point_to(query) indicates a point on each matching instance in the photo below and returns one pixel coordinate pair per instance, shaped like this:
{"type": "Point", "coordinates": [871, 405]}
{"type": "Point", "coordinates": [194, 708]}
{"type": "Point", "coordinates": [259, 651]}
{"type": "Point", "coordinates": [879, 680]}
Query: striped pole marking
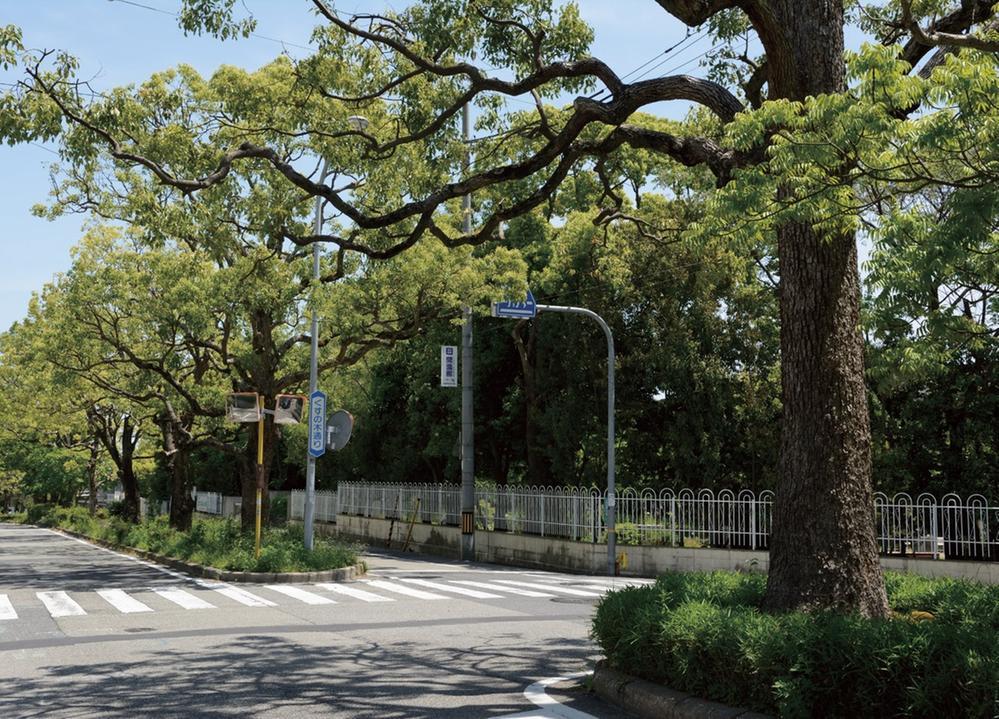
{"type": "Point", "coordinates": [6, 608]}
{"type": "Point", "coordinates": [551, 588]}
{"type": "Point", "coordinates": [354, 592]}
{"type": "Point", "coordinates": [401, 589]}
{"type": "Point", "coordinates": [182, 598]}
{"type": "Point", "coordinates": [60, 605]}
{"type": "Point", "coordinates": [499, 588]}
{"type": "Point", "coordinates": [125, 604]}
{"type": "Point", "coordinates": [448, 588]}
{"type": "Point", "coordinates": [299, 594]}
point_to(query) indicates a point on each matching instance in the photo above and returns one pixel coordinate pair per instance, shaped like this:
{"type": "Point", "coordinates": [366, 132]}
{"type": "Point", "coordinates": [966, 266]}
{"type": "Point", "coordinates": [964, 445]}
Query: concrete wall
{"type": "Point", "coordinates": [526, 550]}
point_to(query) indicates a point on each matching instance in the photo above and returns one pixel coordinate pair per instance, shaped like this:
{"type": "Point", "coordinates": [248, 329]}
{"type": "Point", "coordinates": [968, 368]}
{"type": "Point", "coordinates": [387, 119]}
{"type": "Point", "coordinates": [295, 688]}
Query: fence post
{"type": "Point", "coordinates": [672, 520]}
{"type": "Point", "coordinates": [934, 531]}
{"type": "Point", "coordinates": [752, 522]}
{"type": "Point", "coordinates": [593, 516]}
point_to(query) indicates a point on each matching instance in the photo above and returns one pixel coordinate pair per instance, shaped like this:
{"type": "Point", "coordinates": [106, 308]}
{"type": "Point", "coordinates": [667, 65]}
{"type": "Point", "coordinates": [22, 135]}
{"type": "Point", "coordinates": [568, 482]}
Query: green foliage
{"type": "Point", "coordinates": [688, 630]}
{"type": "Point", "coordinates": [219, 543]}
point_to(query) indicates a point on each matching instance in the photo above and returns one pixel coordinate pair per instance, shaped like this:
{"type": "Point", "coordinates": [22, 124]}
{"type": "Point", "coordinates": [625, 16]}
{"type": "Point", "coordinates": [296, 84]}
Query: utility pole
{"type": "Point", "coordinates": [310, 468]}
{"type": "Point", "coordinates": [467, 421]}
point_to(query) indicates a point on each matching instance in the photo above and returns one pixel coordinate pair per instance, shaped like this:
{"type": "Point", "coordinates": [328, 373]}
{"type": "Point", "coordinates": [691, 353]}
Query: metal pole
{"type": "Point", "coordinates": [260, 473]}
{"type": "Point", "coordinates": [467, 421]}
{"type": "Point", "coordinates": [611, 495]}
{"type": "Point", "coordinates": [309, 516]}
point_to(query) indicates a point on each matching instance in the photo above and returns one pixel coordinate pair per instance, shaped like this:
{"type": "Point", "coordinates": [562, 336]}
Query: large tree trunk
{"type": "Point", "coordinates": [250, 476]}
{"type": "Point", "coordinates": [95, 449]}
{"type": "Point", "coordinates": [126, 470]}
{"type": "Point", "coordinates": [181, 502]}
{"type": "Point", "coordinates": [823, 551]}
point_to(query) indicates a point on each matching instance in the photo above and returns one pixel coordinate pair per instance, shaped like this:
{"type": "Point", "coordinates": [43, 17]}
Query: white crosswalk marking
{"type": "Point", "coordinates": [300, 594]}
{"type": "Point", "coordinates": [448, 588]}
{"type": "Point", "coordinates": [401, 589]}
{"type": "Point", "coordinates": [60, 605]}
{"type": "Point", "coordinates": [182, 598]}
{"type": "Point", "coordinates": [550, 588]}
{"type": "Point", "coordinates": [121, 601]}
{"type": "Point", "coordinates": [500, 588]}
{"type": "Point", "coordinates": [6, 608]}
{"type": "Point", "coordinates": [242, 596]}
{"type": "Point", "coordinates": [354, 592]}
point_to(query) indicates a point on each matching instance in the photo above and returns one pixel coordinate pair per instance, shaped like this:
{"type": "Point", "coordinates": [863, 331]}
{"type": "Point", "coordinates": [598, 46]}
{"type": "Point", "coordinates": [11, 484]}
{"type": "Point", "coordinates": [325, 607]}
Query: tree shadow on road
{"type": "Point", "coordinates": [315, 675]}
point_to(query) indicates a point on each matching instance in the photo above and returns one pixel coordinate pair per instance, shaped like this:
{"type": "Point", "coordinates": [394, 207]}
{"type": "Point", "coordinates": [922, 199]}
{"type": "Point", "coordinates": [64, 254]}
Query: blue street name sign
{"type": "Point", "coordinates": [516, 310]}
{"type": "Point", "coordinates": [317, 423]}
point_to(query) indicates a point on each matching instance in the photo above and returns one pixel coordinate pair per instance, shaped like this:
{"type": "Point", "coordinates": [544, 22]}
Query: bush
{"type": "Point", "coordinates": [37, 511]}
{"type": "Point", "coordinates": [278, 514]}
{"type": "Point", "coordinates": [219, 543]}
{"type": "Point", "coordinates": [704, 634]}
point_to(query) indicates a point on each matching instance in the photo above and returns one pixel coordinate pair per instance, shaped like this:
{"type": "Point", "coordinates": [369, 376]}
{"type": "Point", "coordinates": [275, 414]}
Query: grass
{"type": "Point", "coordinates": [218, 543]}
{"type": "Point", "coordinates": [703, 633]}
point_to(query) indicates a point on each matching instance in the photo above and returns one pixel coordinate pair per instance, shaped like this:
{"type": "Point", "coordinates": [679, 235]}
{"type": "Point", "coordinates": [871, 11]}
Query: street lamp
{"type": "Point", "coordinates": [358, 123]}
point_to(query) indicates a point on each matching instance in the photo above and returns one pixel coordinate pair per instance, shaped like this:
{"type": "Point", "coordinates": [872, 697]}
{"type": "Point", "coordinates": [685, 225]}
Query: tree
{"type": "Point", "coordinates": [777, 163]}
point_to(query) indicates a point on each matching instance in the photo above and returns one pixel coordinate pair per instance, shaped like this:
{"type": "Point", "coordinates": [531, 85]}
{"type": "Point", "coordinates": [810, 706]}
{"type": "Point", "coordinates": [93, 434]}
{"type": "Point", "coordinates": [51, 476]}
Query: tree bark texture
{"type": "Point", "coordinates": [248, 475]}
{"type": "Point", "coordinates": [126, 469]}
{"type": "Point", "coordinates": [181, 502]}
{"type": "Point", "coordinates": [823, 552]}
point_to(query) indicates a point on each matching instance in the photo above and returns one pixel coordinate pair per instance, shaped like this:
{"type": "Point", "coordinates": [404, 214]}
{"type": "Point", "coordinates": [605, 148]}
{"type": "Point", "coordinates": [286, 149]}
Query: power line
{"type": "Point", "coordinates": [133, 3]}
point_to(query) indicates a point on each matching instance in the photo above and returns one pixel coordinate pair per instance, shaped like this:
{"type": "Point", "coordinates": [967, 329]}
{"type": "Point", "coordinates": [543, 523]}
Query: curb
{"type": "Point", "coordinates": [655, 701]}
{"type": "Point", "coordinates": [343, 574]}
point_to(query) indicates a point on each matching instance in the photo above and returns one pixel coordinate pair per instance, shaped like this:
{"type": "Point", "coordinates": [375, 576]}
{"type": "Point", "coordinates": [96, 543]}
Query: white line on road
{"type": "Point", "coordinates": [449, 588]}
{"type": "Point", "coordinates": [239, 595]}
{"type": "Point", "coordinates": [6, 608]}
{"type": "Point", "coordinates": [550, 588]}
{"type": "Point", "coordinates": [537, 696]}
{"type": "Point", "coordinates": [354, 592]}
{"type": "Point", "coordinates": [500, 588]}
{"type": "Point", "coordinates": [300, 594]}
{"type": "Point", "coordinates": [121, 601]}
{"type": "Point", "coordinates": [182, 598]}
{"type": "Point", "coordinates": [60, 605]}
{"type": "Point", "coordinates": [400, 589]}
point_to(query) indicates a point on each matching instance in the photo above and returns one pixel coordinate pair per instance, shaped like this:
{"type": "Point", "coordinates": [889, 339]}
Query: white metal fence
{"type": "Point", "coordinates": [951, 528]}
{"type": "Point", "coordinates": [208, 502]}
{"type": "Point", "coordinates": [326, 506]}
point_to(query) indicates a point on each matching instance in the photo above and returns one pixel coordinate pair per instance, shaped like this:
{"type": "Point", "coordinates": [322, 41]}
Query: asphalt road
{"type": "Point", "coordinates": [85, 632]}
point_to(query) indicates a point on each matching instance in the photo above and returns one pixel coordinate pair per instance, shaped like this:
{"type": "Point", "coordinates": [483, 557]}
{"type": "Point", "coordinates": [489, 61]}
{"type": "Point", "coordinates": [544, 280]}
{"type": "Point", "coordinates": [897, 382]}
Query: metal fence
{"type": "Point", "coordinates": [326, 506]}
{"type": "Point", "coordinates": [208, 502]}
{"type": "Point", "coordinates": [950, 528]}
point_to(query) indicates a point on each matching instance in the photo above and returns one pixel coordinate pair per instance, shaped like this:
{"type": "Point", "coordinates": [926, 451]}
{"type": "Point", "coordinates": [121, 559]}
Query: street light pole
{"type": "Point", "coordinates": [467, 421]}
{"type": "Point", "coordinates": [310, 469]}
{"type": "Point", "coordinates": [611, 489]}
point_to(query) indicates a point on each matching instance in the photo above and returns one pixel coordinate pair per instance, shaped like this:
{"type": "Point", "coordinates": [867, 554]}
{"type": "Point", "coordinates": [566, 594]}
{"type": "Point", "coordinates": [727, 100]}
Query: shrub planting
{"type": "Point", "coordinates": [219, 543]}
{"type": "Point", "coordinates": [938, 656]}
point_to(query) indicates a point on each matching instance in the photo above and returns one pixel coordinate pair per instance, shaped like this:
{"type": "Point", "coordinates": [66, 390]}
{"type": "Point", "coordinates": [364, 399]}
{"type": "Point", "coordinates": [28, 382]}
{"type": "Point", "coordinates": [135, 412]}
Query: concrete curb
{"type": "Point", "coordinates": [343, 574]}
{"type": "Point", "coordinates": [654, 701]}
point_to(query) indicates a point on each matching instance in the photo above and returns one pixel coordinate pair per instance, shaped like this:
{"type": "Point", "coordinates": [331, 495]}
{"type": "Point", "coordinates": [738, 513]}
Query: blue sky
{"type": "Point", "coordinates": [118, 42]}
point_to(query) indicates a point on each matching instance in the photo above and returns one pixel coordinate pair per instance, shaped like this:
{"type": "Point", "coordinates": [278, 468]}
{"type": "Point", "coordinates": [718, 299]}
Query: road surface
{"type": "Point", "coordinates": [85, 632]}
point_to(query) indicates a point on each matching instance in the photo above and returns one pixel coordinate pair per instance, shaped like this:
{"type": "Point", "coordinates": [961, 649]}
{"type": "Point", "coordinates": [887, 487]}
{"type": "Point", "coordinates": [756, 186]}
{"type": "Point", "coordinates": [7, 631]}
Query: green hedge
{"type": "Point", "coordinates": [219, 543]}
{"type": "Point", "coordinates": [703, 633]}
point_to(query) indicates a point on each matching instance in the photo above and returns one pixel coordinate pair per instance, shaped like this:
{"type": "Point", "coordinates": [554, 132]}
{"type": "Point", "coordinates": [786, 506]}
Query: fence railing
{"type": "Point", "coordinates": [951, 528]}
{"type": "Point", "coordinates": [208, 502]}
{"type": "Point", "coordinates": [326, 505]}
